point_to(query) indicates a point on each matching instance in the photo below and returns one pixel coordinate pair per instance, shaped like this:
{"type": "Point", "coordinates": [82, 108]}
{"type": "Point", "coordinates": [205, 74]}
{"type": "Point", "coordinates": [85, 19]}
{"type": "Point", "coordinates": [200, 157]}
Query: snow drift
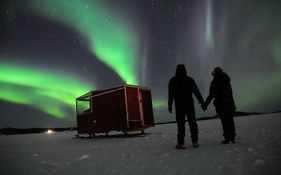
{"type": "Point", "coordinates": [257, 151]}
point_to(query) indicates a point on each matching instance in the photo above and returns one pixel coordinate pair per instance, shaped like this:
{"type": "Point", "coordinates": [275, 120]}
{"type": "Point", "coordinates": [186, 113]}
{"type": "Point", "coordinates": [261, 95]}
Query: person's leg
{"type": "Point", "coordinates": [181, 128]}
{"type": "Point", "coordinates": [193, 126]}
{"type": "Point", "coordinates": [228, 127]}
{"type": "Point", "coordinates": [224, 122]}
{"type": "Point", "coordinates": [224, 126]}
{"type": "Point", "coordinates": [231, 127]}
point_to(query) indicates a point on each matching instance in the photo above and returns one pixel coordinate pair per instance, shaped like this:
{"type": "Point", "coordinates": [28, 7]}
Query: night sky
{"type": "Point", "coordinates": [52, 51]}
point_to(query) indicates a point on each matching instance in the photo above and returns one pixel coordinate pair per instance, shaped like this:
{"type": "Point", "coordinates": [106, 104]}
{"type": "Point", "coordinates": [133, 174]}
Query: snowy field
{"type": "Point", "coordinates": [258, 151]}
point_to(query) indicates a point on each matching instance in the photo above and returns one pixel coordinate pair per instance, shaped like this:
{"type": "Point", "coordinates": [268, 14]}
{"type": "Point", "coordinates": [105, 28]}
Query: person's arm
{"type": "Point", "coordinates": [197, 93]}
{"type": "Point", "coordinates": [171, 95]}
{"type": "Point", "coordinates": [211, 94]}
{"type": "Point", "coordinates": [232, 100]}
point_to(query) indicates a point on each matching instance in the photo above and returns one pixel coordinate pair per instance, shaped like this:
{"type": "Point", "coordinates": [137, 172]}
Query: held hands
{"type": "Point", "coordinates": [170, 109]}
{"type": "Point", "coordinates": [204, 106]}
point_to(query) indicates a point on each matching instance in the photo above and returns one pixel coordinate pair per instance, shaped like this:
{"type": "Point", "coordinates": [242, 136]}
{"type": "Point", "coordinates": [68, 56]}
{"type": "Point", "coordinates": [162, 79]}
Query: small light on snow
{"type": "Point", "coordinates": [259, 162]}
{"type": "Point", "coordinates": [49, 131]}
{"type": "Point", "coordinates": [85, 156]}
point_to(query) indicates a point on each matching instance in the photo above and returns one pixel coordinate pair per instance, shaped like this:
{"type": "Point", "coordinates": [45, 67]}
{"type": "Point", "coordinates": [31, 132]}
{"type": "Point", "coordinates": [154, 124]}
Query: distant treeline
{"type": "Point", "coordinates": [237, 113]}
{"type": "Point", "coordinates": [13, 131]}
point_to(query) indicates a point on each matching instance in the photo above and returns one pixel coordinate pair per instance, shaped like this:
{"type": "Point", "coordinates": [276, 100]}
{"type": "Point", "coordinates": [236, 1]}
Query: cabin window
{"type": "Point", "coordinates": [83, 106]}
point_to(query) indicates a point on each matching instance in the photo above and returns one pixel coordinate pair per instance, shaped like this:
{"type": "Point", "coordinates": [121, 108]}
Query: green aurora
{"type": "Point", "coordinates": [159, 104]}
{"type": "Point", "coordinates": [110, 39]}
{"type": "Point", "coordinates": [209, 32]}
{"type": "Point", "coordinates": [49, 92]}
{"type": "Point", "coordinates": [257, 95]}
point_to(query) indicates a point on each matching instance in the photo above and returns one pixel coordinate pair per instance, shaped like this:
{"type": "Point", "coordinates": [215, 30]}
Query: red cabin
{"type": "Point", "coordinates": [125, 108]}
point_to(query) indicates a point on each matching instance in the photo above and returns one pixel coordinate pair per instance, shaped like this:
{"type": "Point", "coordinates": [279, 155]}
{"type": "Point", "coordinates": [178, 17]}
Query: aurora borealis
{"type": "Point", "coordinates": [110, 40]}
{"type": "Point", "coordinates": [47, 91]}
{"type": "Point", "coordinates": [209, 30]}
{"type": "Point", "coordinates": [56, 50]}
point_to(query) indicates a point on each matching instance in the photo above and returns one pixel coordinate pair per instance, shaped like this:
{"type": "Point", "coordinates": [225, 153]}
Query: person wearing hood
{"type": "Point", "coordinates": [181, 87]}
{"type": "Point", "coordinates": [221, 92]}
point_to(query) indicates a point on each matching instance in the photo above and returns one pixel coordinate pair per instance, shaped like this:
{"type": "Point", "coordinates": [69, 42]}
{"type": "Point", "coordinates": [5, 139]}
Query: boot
{"type": "Point", "coordinates": [227, 141]}
{"type": "Point", "coordinates": [195, 145]}
{"type": "Point", "coordinates": [180, 146]}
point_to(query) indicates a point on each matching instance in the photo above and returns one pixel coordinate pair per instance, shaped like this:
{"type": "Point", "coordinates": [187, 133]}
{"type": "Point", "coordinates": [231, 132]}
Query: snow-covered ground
{"type": "Point", "coordinates": [258, 151]}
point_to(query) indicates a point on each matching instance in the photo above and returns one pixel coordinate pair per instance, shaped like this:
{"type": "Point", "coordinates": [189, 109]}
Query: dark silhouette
{"type": "Point", "coordinates": [181, 88]}
{"type": "Point", "coordinates": [221, 92]}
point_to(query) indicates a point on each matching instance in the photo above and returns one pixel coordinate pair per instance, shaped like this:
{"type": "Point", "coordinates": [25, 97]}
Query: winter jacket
{"type": "Point", "coordinates": [221, 92]}
{"type": "Point", "coordinates": [181, 89]}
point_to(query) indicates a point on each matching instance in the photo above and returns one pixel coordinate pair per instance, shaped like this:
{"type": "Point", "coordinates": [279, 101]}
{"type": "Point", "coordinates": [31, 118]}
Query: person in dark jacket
{"type": "Point", "coordinates": [181, 88]}
{"type": "Point", "coordinates": [221, 92]}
